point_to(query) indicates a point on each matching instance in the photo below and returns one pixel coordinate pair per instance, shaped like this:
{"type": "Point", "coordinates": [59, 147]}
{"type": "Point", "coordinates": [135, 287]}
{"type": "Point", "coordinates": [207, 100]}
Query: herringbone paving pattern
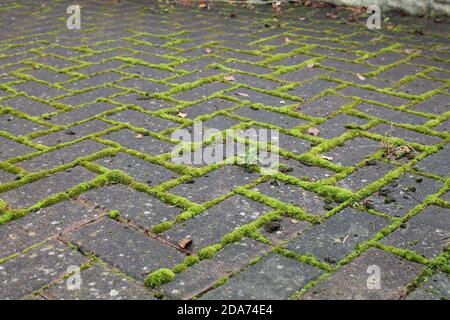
{"type": "Point", "coordinates": [87, 177]}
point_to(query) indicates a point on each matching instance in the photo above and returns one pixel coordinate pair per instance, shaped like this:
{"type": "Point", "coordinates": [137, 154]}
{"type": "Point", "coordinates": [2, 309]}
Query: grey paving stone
{"type": "Point", "coordinates": [289, 228]}
{"type": "Point", "coordinates": [303, 74]}
{"type": "Point", "coordinates": [93, 81]}
{"type": "Point", "coordinates": [142, 120]}
{"type": "Point", "coordinates": [143, 101]}
{"type": "Point", "coordinates": [293, 144]}
{"type": "Point", "coordinates": [353, 151]}
{"type": "Point", "coordinates": [336, 237]}
{"type": "Point", "coordinates": [259, 97]}
{"type": "Point", "coordinates": [147, 144]}
{"type": "Point", "coordinates": [36, 268]}
{"type": "Point", "coordinates": [339, 125]}
{"type": "Point", "coordinates": [438, 104]}
{"type": "Point", "coordinates": [143, 85]}
{"type": "Point", "coordinates": [405, 134]}
{"type": "Point", "coordinates": [142, 209]}
{"type": "Point", "coordinates": [88, 96]}
{"type": "Point", "coordinates": [248, 68]}
{"type": "Point", "coordinates": [79, 114]}
{"type": "Point", "coordinates": [215, 183]}
{"type": "Point", "coordinates": [6, 177]}
{"type": "Point", "coordinates": [426, 233]}
{"type": "Point", "coordinates": [436, 163]}
{"type": "Point", "coordinates": [399, 72]}
{"type": "Point", "coordinates": [443, 127]}
{"type": "Point", "coordinates": [347, 66]}
{"type": "Point", "coordinates": [40, 225]}
{"type": "Point", "coordinates": [419, 86]}
{"type": "Point", "coordinates": [311, 89]}
{"type": "Point", "coordinates": [147, 72]}
{"type": "Point", "coordinates": [290, 194]}
{"type": "Point", "coordinates": [292, 60]}
{"type": "Point", "coordinates": [11, 149]}
{"type": "Point", "coordinates": [207, 107]}
{"type": "Point", "coordinates": [387, 58]}
{"type": "Point", "coordinates": [99, 283]}
{"type": "Point", "coordinates": [126, 249]}
{"type": "Point", "coordinates": [350, 281]}
{"type": "Point", "coordinates": [274, 277]}
{"type": "Point", "coordinates": [256, 82]}
{"type": "Point", "coordinates": [371, 172]}
{"type": "Point", "coordinates": [261, 115]}
{"type": "Point", "coordinates": [391, 115]}
{"type": "Point", "coordinates": [18, 126]}
{"type": "Point", "coordinates": [201, 92]}
{"type": "Point", "coordinates": [205, 274]}
{"type": "Point", "coordinates": [435, 288]}
{"type": "Point", "coordinates": [210, 226]}
{"type": "Point", "coordinates": [403, 194]}
{"type": "Point", "coordinates": [304, 171]}
{"type": "Point", "coordinates": [374, 95]}
{"type": "Point", "coordinates": [323, 106]}
{"type": "Point", "coordinates": [36, 89]}
{"type": "Point", "coordinates": [62, 156]}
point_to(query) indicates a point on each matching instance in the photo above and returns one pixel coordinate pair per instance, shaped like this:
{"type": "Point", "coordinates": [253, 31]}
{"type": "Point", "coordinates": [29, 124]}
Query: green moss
{"type": "Point", "coordinates": [114, 214]}
{"type": "Point", "coordinates": [209, 252]}
{"type": "Point", "coordinates": [159, 277]}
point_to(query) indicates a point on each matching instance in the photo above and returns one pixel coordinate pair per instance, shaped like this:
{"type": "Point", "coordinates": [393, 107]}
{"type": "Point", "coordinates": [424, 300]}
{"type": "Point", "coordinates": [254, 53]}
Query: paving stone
{"type": "Point", "coordinates": [405, 134]}
{"type": "Point", "coordinates": [366, 175]}
{"type": "Point", "coordinates": [11, 149]}
{"type": "Point", "coordinates": [142, 120]}
{"type": "Point", "coordinates": [338, 125]}
{"type": "Point", "coordinates": [267, 116]}
{"type": "Point", "coordinates": [255, 82]}
{"type": "Point", "coordinates": [425, 233]}
{"type": "Point", "coordinates": [323, 106]}
{"type": "Point", "coordinates": [259, 97]}
{"type": "Point", "coordinates": [350, 281]}
{"type": "Point", "coordinates": [443, 127]}
{"type": "Point", "coordinates": [346, 66]}
{"type": "Point", "coordinates": [200, 64]}
{"type": "Point", "coordinates": [289, 228]}
{"type": "Point", "coordinates": [89, 96]}
{"type": "Point", "coordinates": [147, 144]}
{"type": "Point", "coordinates": [437, 104]}
{"type": "Point", "coordinates": [436, 163]}
{"type": "Point", "coordinates": [142, 101]}
{"type": "Point", "coordinates": [435, 288]}
{"type": "Point", "coordinates": [419, 86]}
{"type": "Point", "coordinates": [48, 75]}
{"type": "Point", "coordinates": [62, 156]}
{"type": "Point", "coordinates": [6, 177]}
{"type": "Point", "coordinates": [207, 107]}
{"type": "Point", "coordinates": [399, 72]}
{"type": "Point", "coordinates": [301, 170]}
{"type": "Point", "coordinates": [28, 194]}
{"type": "Point", "coordinates": [40, 225]}
{"type": "Point", "coordinates": [248, 68]}
{"type": "Point", "coordinates": [201, 92]}
{"type": "Point", "coordinates": [36, 89]}
{"type": "Point", "coordinates": [197, 75]}
{"type": "Point", "coordinates": [275, 277]}
{"type": "Point", "coordinates": [147, 72]}
{"type": "Point", "coordinates": [374, 96]}
{"type": "Point", "coordinates": [99, 283]}
{"type": "Point", "coordinates": [390, 114]}
{"type": "Point", "coordinates": [353, 151]}
{"type": "Point", "coordinates": [292, 60]}
{"type": "Point", "coordinates": [93, 81]}
{"type": "Point", "coordinates": [290, 194]}
{"type": "Point", "coordinates": [210, 226]}
{"type": "Point", "coordinates": [337, 237]}
{"type": "Point", "coordinates": [403, 194]}
{"type": "Point", "coordinates": [79, 114]}
{"type": "Point", "coordinates": [205, 274]}
{"type": "Point", "coordinates": [124, 248]}
{"type": "Point", "coordinates": [387, 58]}
{"type": "Point", "coordinates": [311, 89]}
{"type": "Point", "coordinates": [18, 126]}
{"type": "Point", "coordinates": [303, 74]}
{"type": "Point", "coordinates": [143, 85]}
{"type": "Point", "coordinates": [215, 183]}
{"type": "Point", "coordinates": [142, 209]}
{"type": "Point", "coordinates": [293, 144]}
{"type": "Point", "coordinates": [36, 268]}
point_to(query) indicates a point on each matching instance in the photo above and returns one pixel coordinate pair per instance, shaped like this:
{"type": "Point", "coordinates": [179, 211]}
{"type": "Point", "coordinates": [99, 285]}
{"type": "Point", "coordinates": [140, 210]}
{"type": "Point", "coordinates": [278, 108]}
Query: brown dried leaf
{"type": "Point", "coordinates": [139, 136]}
{"type": "Point", "coordinates": [294, 221]}
{"type": "Point", "coordinates": [326, 157]}
{"type": "Point", "coordinates": [360, 77]}
{"type": "Point", "coordinates": [311, 65]}
{"type": "Point", "coordinates": [287, 40]}
{"type": "Point", "coordinates": [313, 131]}
{"type": "Point", "coordinates": [182, 114]}
{"type": "Point", "coordinates": [184, 243]}
{"type": "Point", "coordinates": [208, 50]}
{"type": "Point", "coordinates": [241, 94]}
{"type": "Point", "coordinates": [229, 78]}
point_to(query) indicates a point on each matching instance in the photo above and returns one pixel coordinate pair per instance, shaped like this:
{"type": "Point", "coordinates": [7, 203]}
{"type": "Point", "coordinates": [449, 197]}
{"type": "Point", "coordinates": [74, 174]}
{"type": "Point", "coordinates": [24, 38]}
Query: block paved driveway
{"type": "Point", "coordinates": [358, 210]}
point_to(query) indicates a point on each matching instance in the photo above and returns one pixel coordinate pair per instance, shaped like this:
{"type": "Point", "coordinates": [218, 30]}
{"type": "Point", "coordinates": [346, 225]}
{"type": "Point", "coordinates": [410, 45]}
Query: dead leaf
{"type": "Point", "coordinates": [241, 94]}
{"type": "Point", "coordinates": [313, 131]}
{"type": "Point", "coordinates": [287, 40]}
{"type": "Point", "coordinates": [326, 157]}
{"type": "Point", "coordinates": [302, 18]}
{"type": "Point", "coordinates": [294, 221]}
{"type": "Point", "coordinates": [139, 136]}
{"type": "Point", "coordinates": [203, 4]}
{"type": "Point", "coordinates": [311, 65]}
{"type": "Point", "coordinates": [208, 50]}
{"type": "Point", "coordinates": [360, 77]}
{"type": "Point", "coordinates": [182, 114]}
{"type": "Point", "coordinates": [184, 243]}
{"type": "Point", "coordinates": [229, 78]}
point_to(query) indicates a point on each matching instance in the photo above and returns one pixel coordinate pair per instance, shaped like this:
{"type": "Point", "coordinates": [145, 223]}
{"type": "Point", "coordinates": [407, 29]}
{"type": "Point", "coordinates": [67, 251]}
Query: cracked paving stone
{"type": "Point", "coordinates": [435, 288]}
{"type": "Point", "coordinates": [427, 233]}
{"type": "Point", "coordinates": [61, 156]}
{"type": "Point", "coordinates": [201, 92]}
{"type": "Point", "coordinates": [351, 280]}
{"type": "Point", "coordinates": [205, 274]}
{"type": "Point", "coordinates": [18, 126]}
{"type": "Point", "coordinates": [310, 89]}
{"type": "Point", "coordinates": [402, 194]}
{"type": "Point", "coordinates": [142, 120]}
{"type": "Point", "coordinates": [73, 133]}
{"type": "Point", "coordinates": [124, 248]}
{"type": "Point", "coordinates": [207, 107]}
{"type": "Point", "coordinates": [437, 163]}
{"type": "Point", "coordinates": [38, 267]}
{"type": "Point", "coordinates": [259, 97]}
{"type": "Point", "coordinates": [405, 134]}
{"type": "Point", "coordinates": [371, 172]}
{"type": "Point", "coordinates": [274, 277]}
{"type": "Point", "coordinates": [11, 149]}
{"type": "Point", "coordinates": [210, 226]}
{"type": "Point", "coordinates": [99, 283]}
{"type": "Point", "coordinates": [323, 106]}
{"type": "Point", "coordinates": [290, 194]}
{"type": "Point", "coordinates": [215, 183]}
{"type": "Point", "coordinates": [374, 96]}
{"type": "Point", "coordinates": [337, 237]}
{"type": "Point", "coordinates": [28, 194]}
{"type": "Point", "coordinates": [353, 151]}
{"type": "Point", "coordinates": [147, 144]}
{"type": "Point", "coordinates": [262, 115]}
{"type": "Point", "coordinates": [140, 169]}
{"type": "Point", "coordinates": [338, 125]}
{"type": "Point", "coordinates": [438, 104]}
{"type": "Point", "coordinates": [40, 225]}
{"type": "Point", "coordinates": [141, 208]}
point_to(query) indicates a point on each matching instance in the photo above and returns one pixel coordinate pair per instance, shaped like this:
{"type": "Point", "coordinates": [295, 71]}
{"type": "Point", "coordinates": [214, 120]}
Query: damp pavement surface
{"type": "Point", "coordinates": [94, 205]}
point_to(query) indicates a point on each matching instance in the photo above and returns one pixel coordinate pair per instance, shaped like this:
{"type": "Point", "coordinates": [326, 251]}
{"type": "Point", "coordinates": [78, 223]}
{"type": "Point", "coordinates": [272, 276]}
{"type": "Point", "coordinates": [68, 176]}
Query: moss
{"type": "Point", "coordinates": [209, 252]}
{"type": "Point", "coordinates": [159, 277]}
{"type": "Point", "coordinates": [114, 214]}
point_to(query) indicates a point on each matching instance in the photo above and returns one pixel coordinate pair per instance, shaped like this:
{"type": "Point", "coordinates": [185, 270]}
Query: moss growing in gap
{"type": "Point", "coordinates": [159, 277]}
